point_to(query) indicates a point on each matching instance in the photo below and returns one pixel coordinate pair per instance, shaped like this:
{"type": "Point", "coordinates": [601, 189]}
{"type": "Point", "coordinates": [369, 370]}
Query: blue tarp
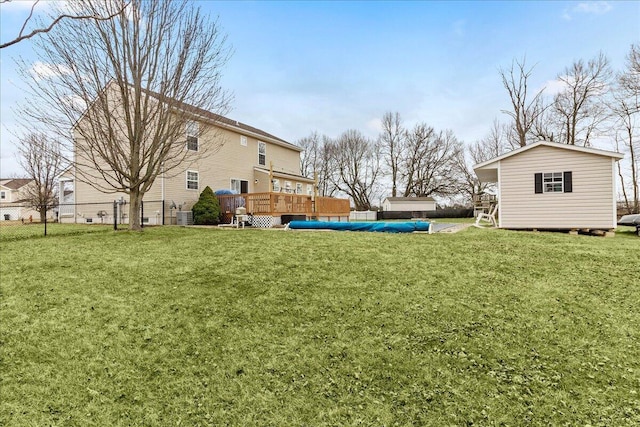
{"type": "Point", "coordinates": [382, 227]}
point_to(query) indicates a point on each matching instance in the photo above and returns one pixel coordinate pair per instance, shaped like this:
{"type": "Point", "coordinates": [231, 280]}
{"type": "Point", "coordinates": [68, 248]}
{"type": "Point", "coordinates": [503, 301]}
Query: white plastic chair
{"type": "Point", "coordinates": [488, 217]}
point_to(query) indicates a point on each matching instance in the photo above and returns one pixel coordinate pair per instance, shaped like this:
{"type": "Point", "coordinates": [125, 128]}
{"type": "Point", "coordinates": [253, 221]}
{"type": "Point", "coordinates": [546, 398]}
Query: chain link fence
{"type": "Point", "coordinates": [22, 221]}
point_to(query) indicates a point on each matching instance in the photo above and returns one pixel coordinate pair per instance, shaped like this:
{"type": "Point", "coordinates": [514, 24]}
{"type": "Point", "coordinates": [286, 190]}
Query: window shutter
{"type": "Point", "coordinates": [568, 183]}
{"type": "Point", "coordinates": [538, 182]}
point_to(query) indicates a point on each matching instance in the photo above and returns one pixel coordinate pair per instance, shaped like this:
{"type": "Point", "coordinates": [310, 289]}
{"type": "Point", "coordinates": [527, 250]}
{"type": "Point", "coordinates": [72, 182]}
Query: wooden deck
{"type": "Point", "coordinates": [278, 204]}
{"type": "Point", "coordinates": [482, 203]}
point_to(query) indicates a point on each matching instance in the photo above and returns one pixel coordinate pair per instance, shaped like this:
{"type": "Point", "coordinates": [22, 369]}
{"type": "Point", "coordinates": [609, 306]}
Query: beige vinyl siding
{"type": "Point", "coordinates": [589, 205]}
{"type": "Point", "coordinates": [215, 169]}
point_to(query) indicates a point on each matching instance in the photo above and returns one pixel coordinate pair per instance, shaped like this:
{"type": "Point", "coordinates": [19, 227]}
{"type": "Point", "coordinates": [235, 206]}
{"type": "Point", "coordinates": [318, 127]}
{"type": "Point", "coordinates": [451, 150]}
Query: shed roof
{"type": "Point", "coordinates": [410, 199]}
{"type": "Point", "coordinates": [487, 171]}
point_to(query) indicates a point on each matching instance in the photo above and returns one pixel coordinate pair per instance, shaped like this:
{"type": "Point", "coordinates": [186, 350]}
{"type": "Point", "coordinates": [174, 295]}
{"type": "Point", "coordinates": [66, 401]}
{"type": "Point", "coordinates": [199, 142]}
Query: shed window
{"type": "Point", "coordinates": [553, 182]}
{"type": "Point", "coordinates": [3, 195]}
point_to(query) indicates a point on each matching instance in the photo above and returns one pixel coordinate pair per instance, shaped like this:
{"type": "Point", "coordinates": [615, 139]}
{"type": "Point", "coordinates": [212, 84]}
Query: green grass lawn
{"type": "Point", "coordinates": [18, 231]}
{"type": "Point", "coordinates": [191, 327]}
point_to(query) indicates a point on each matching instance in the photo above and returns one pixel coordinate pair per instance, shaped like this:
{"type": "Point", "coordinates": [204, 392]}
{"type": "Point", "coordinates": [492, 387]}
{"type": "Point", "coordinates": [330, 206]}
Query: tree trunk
{"type": "Point", "coordinates": [135, 198]}
{"type": "Point", "coordinates": [43, 214]}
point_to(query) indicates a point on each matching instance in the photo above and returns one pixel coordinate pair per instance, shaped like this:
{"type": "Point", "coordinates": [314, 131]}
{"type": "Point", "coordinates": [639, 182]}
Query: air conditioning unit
{"type": "Point", "coordinates": [184, 218]}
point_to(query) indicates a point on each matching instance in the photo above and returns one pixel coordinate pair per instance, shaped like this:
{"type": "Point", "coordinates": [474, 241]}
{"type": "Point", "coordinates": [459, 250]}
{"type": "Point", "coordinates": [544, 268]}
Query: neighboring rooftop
{"type": "Point", "coordinates": [15, 183]}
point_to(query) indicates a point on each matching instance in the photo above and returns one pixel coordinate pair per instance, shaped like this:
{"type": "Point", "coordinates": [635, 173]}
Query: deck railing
{"type": "Point", "coordinates": [277, 204]}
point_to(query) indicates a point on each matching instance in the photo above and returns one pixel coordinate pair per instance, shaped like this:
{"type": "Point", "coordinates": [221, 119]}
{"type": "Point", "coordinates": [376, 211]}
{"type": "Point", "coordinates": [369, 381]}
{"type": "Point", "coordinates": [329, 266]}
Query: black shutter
{"type": "Point", "coordinates": [568, 183]}
{"type": "Point", "coordinates": [538, 180]}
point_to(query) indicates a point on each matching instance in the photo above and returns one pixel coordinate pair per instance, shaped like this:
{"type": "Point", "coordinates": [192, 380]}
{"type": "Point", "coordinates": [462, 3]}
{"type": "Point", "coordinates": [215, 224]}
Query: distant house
{"type": "Point", "coordinates": [13, 198]}
{"type": "Point", "coordinates": [409, 204]}
{"type": "Point", "coordinates": [548, 185]}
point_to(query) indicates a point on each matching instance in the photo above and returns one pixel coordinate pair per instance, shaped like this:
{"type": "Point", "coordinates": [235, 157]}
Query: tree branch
{"type": "Point", "coordinates": [35, 32]}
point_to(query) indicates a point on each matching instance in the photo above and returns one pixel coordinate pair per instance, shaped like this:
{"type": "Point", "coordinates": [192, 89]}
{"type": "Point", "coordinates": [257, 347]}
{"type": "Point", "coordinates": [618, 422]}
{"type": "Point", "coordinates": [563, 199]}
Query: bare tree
{"type": "Point", "coordinates": [492, 145]}
{"type": "Point", "coordinates": [309, 158]}
{"type": "Point", "coordinates": [468, 183]}
{"type": "Point", "coordinates": [136, 86]}
{"type": "Point", "coordinates": [392, 144]}
{"type": "Point", "coordinates": [55, 20]}
{"type": "Point", "coordinates": [429, 163]}
{"type": "Point", "coordinates": [625, 107]}
{"type": "Point", "coordinates": [42, 160]}
{"type": "Point", "coordinates": [356, 163]}
{"type": "Point", "coordinates": [315, 161]}
{"type": "Point", "coordinates": [525, 110]}
{"type": "Point", "coordinates": [579, 109]}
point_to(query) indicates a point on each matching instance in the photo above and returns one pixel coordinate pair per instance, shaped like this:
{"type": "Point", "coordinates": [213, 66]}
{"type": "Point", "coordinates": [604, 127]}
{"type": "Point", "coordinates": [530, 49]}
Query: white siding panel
{"type": "Point", "coordinates": [588, 206]}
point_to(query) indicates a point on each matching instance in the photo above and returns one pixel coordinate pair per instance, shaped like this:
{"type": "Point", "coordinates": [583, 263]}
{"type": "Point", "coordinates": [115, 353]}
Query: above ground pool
{"type": "Point", "coordinates": [381, 227]}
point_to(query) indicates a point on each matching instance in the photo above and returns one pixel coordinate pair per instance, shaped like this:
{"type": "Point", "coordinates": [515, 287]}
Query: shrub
{"type": "Point", "coordinates": [206, 211]}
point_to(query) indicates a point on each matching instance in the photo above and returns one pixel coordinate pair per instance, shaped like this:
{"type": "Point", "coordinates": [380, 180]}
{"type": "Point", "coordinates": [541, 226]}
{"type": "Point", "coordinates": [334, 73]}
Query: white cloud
{"type": "Point", "coordinates": [554, 87]}
{"type": "Point", "coordinates": [591, 7]}
{"type": "Point", "coordinates": [42, 70]}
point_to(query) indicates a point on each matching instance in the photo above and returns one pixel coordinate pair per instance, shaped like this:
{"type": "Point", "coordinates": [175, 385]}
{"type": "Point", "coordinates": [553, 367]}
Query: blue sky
{"type": "Point", "coordinates": [309, 66]}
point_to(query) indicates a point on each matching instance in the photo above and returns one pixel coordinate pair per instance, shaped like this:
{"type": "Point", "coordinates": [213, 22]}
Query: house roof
{"type": "Point", "coordinates": [410, 199]}
{"type": "Point", "coordinates": [229, 123]}
{"type": "Point", "coordinates": [486, 171]}
{"type": "Point", "coordinates": [15, 183]}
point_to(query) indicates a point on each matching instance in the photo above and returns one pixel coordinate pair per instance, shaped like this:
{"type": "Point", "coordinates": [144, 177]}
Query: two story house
{"type": "Point", "coordinates": [262, 168]}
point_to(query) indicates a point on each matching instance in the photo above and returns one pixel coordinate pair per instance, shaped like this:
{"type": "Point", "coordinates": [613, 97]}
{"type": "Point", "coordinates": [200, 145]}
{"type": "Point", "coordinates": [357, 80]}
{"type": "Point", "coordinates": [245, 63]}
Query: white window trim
{"type": "Point", "coordinates": [553, 182]}
{"type": "Point", "coordinates": [197, 180]}
{"type": "Point", "coordinates": [287, 187]}
{"type": "Point", "coordinates": [192, 129]}
{"type": "Point", "coordinates": [275, 185]}
{"type": "Point", "coordinates": [298, 188]}
{"type": "Point", "coordinates": [243, 140]}
{"type": "Point", "coordinates": [309, 190]}
{"type": "Point", "coordinates": [262, 151]}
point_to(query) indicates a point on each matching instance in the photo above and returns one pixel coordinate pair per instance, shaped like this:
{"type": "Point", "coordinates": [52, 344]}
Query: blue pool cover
{"type": "Point", "coordinates": [381, 227]}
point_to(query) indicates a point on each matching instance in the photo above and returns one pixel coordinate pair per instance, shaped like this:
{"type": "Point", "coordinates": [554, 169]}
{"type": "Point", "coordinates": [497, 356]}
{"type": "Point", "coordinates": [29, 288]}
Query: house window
{"type": "Point", "coordinates": [298, 188]}
{"type": "Point", "coordinates": [553, 182]}
{"type": "Point", "coordinates": [240, 186]}
{"type": "Point", "coordinates": [3, 195]}
{"type": "Point", "coordinates": [309, 189]}
{"type": "Point", "coordinates": [243, 140]}
{"type": "Point", "coordinates": [276, 185]}
{"type": "Point", "coordinates": [192, 136]}
{"type": "Point", "coordinates": [192, 180]}
{"type": "Point", "coordinates": [287, 186]}
{"type": "Point", "coordinates": [262, 153]}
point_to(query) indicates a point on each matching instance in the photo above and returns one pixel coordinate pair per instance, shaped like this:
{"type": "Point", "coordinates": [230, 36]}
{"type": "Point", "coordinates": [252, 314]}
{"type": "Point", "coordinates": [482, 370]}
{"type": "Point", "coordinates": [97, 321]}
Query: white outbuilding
{"type": "Point", "coordinates": [409, 204]}
{"type": "Point", "coordinates": [547, 185]}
